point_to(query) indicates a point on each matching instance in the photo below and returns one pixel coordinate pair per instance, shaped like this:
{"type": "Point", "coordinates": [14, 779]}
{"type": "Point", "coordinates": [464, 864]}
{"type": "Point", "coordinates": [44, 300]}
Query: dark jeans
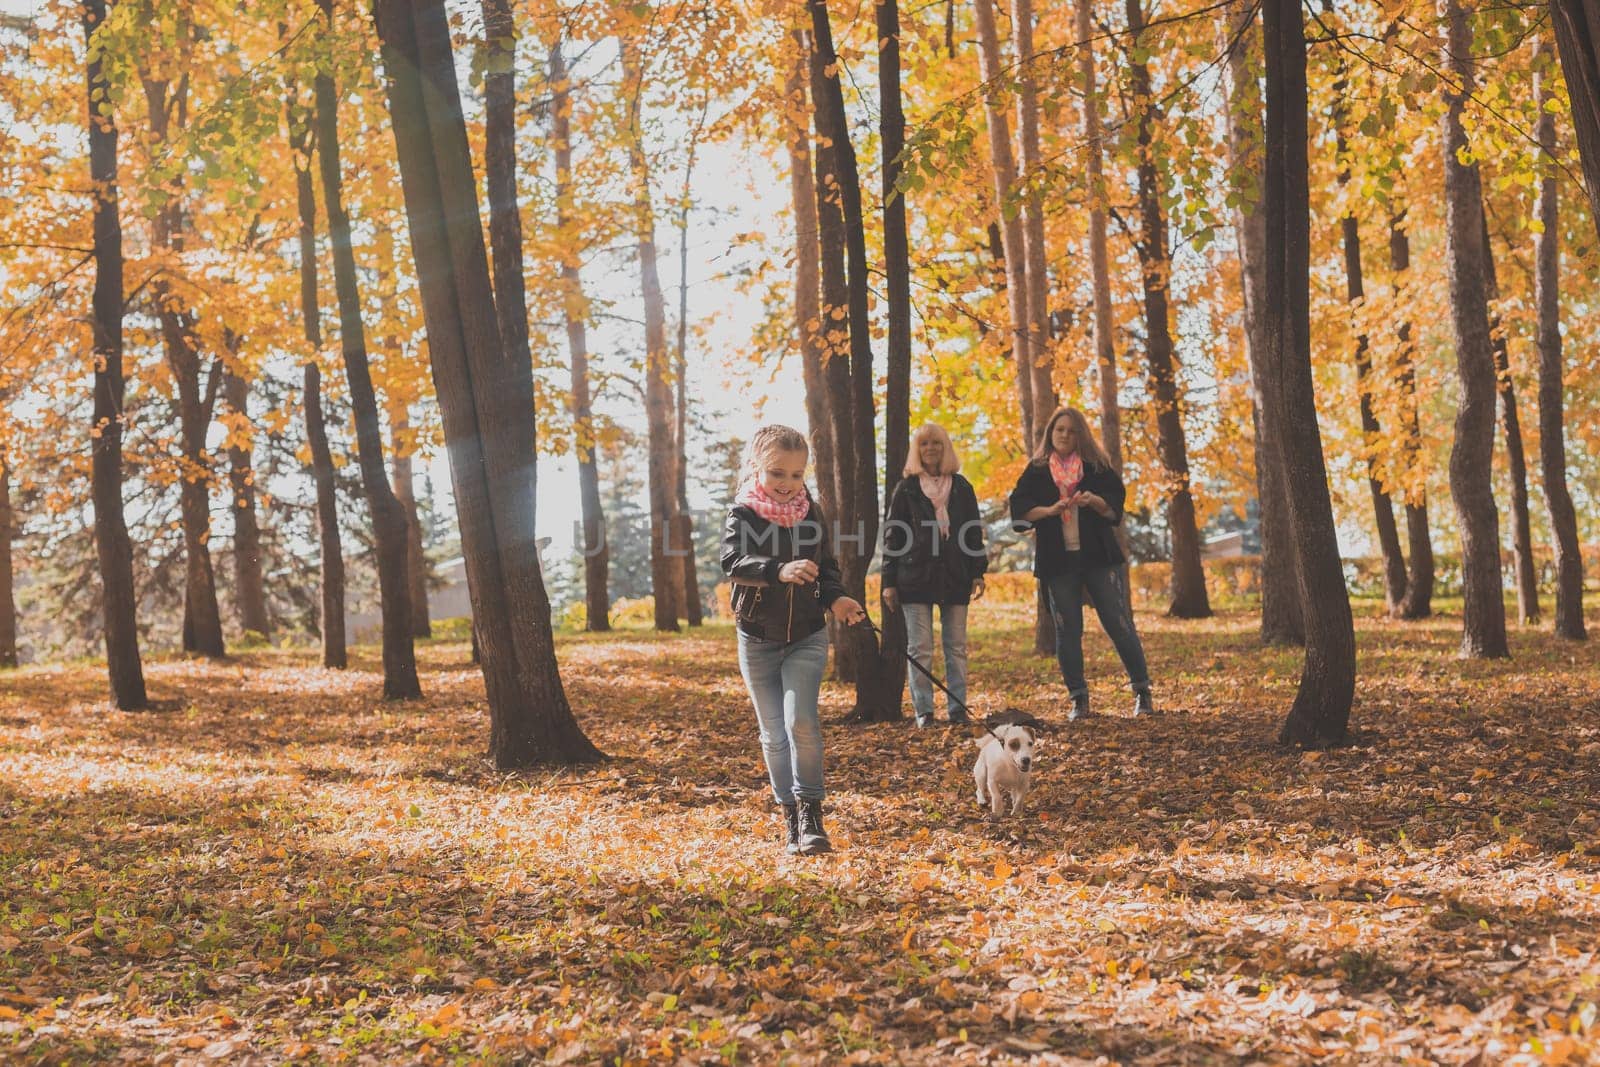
{"type": "Point", "coordinates": [1104, 585]}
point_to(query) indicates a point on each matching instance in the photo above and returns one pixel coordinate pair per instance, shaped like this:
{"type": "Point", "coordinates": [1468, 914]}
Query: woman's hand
{"type": "Point", "coordinates": [798, 571]}
{"type": "Point", "coordinates": [979, 587]}
{"type": "Point", "coordinates": [1092, 500]}
{"type": "Point", "coordinates": [847, 611]}
{"type": "Point", "coordinates": [891, 599]}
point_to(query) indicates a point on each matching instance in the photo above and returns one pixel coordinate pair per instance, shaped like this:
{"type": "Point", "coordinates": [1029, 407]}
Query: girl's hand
{"type": "Point", "coordinates": [891, 599]}
{"type": "Point", "coordinates": [848, 611]}
{"type": "Point", "coordinates": [979, 587]}
{"type": "Point", "coordinates": [798, 571]}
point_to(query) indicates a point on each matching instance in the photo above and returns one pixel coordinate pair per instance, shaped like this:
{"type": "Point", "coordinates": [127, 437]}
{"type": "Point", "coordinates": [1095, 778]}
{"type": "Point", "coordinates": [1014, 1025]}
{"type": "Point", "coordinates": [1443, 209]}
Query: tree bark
{"type": "Point", "coordinates": [334, 653]}
{"type": "Point", "coordinates": [1281, 620]}
{"type": "Point", "coordinates": [665, 570]}
{"type": "Point", "coordinates": [596, 554]}
{"type": "Point", "coordinates": [1394, 564]}
{"type": "Point", "coordinates": [249, 588]}
{"type": "Point", "coordinates": [1004, 171]}
{"type": "Point", "coordinates": [1472, 454]}
{"type": "Point", "coordinates": [1516, 454]}
{"type": "Point", "coordinates": [1041, 386]}
{"type": "Point", "coordinates": [1418, 602]}
{"type": "Point", "coordinates": [8, 603]}
{"type": "Point", "coordinates": [683, 532]}
{"type": "Point", "coordinates": [1099, 256]}
{"type": "Point", "coordinates": [416, 559]}
{"type": "Point", "coordinates": [1320, 714]}
{"type": "Point", "coordinates": [1552, 422]}
{"type": "Point", "coordinates": [877, 698]}
{"type": "Point", "coordinates": [112, 545]}
{"type": "Point", "coordinates": [485, 407]}
{"type": "Point", "coordinates": [1189, 599]}
{"type": "Point", "coordinates": [389, 532]}
{"type": "Point", "coordinates": [1577, 32]}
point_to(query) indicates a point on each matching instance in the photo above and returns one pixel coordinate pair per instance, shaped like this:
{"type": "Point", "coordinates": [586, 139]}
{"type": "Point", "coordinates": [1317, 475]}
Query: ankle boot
{"type": "Point", "coordinates": [813, 838]}
{"type": "Point", "coordinates": [1142, 703]}
{"type": "Point", "coordinates": [1080, 708]}
{"type": "Point", "coordinates": [791, 819]}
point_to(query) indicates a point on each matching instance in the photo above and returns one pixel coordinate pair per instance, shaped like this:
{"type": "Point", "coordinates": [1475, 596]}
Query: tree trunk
{"type": "Point", "coordinates": [112, 545]}
{"type": "Point", "coordinates": [1189, 596]}
{"type": "Point", "coordinates": [1418, 602]}
{"type": "Point", "coordinates": [334, 653]}
{"type": "Point", "coordinates": [1041, 385]}
{"type": "Point", "coordinates": [683, 532]}
{"type": "Point", "coordinates": [416, 559]}
{"type": "Point", "coordinates": [1281, 619]}
{"type": "Point", "coordinates": [1320, 714]}
{"type": "Point", "coordinates": [481, 394]}
{"type": "Point", "coordinates": [249, 587]}
{"type": "Point", "coordinates": [1516, 455]}
{"type": "Point", "coordinates": [1472, 454]}
{"type": "Point", "coordinates": [1577, 32]}
{"type": "Point", "coordinates": [389, 532]}
{"type": "Point", "coordinates": [1004, 171]}
{"type": "Point", "coordinates": [1099, 257]}
{"type": "Point", "coordinates": [807, 278]}
{"type": "Point", "coordinates": [877, 698]}
{"type": "Point", "coordinates": [1552, 424]}
{"type": "Point", "coordinates": [665, 570]}
{"type": "Point", "coordinates": [575, 308]}
{"type": "Point", "coordinates": [1394, 564]}
{"type": "Point", "coordinates": [8, 603]}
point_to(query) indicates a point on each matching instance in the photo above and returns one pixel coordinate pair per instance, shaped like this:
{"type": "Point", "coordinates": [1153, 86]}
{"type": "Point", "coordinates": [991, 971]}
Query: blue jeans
{"type": "Point", "coordinates": [1066, 605]}
{"type": "Point", "coordinates": [919, 646]}
{"type": "Point", "coordinates": [784, 681]}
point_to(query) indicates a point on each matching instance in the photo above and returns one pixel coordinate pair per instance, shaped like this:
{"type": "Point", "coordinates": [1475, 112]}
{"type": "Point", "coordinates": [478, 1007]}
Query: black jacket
{"type": "Point", "coordinates": [924, 567]}
{"type": "Point", "coordinates": [752, 551]}
{"type": "Point", "coordinates": [1097, 537]}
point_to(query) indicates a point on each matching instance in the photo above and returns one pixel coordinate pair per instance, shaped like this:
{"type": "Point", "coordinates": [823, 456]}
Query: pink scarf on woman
{"type": "Point", "coordinates": [1067, 473]}
{"type": "Point", "coordinates": [936, 487]}
{"type": "Point", "coordinates": [783, 512]}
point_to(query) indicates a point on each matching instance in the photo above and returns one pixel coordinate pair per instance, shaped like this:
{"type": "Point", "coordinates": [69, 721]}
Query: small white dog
{"type": "Point", "coordinates": [1004, 768]}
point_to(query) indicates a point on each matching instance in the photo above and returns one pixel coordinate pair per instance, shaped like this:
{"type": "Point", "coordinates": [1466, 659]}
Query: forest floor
{"type": "Point", "coordinates": [280, 866]}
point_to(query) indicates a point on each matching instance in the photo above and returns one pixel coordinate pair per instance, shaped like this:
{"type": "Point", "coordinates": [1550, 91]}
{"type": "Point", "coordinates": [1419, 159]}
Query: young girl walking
{"type": "Point", "coordinates": [775, 550]}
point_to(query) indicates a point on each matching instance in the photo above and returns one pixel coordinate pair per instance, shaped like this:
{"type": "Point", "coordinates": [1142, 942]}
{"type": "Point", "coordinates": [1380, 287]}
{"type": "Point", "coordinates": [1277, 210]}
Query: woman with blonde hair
{"type": "Point", "coordinates": [1071, 496]}
{"type": "Point", "coordinates": [933, 555]}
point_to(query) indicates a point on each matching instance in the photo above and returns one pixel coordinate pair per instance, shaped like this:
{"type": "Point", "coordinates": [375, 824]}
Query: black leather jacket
{"type": "Point", "coordinates": [752, 551]}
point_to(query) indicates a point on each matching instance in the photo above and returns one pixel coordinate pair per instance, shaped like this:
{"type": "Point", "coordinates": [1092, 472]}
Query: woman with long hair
{"type": "Point", "coordinates": [1071, 496]}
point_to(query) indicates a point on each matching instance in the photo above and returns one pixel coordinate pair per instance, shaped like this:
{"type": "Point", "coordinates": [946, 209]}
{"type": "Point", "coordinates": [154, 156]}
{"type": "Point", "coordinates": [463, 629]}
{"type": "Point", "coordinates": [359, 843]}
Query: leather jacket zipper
{"type": "Point", "coordinates": [789, 632]}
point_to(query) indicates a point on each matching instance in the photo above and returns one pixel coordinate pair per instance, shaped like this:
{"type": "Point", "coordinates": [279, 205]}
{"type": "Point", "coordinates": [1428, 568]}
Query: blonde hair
{"type": "Point", "coordinates": [1088, 445]}
{"type": "Point", "coordinates": [952, 459]}
{"type": "Point", "coordinates": [767, 441]}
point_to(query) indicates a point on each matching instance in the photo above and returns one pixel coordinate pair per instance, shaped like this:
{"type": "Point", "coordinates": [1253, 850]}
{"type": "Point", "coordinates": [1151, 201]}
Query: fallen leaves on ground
{"type": "Point", "coordinates": [279, 866]}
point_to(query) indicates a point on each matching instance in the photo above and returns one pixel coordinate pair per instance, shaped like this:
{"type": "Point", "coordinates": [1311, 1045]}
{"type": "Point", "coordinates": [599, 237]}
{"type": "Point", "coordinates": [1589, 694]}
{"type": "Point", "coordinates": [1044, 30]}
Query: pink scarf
{"type": "Point", "coordinates": [1067, 474]}
{"type": "Point", "coordinates": [783, 512]}
{"type": "Point", "coordinates": [937, 489]}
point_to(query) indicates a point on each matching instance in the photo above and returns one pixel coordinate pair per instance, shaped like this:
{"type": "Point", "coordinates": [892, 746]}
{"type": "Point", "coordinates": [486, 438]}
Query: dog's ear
{"type": "Point", "coordinates": [1029, 731]}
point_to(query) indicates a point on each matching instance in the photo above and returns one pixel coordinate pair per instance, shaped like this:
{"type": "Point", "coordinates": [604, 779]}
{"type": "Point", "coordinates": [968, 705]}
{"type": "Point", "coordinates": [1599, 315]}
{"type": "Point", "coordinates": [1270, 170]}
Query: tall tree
{"type": "Point", "coordinates": [249, 588]}
{"type": "Point", "coordinates": [1577, 32]}
{"type": "Point", "coordinates": [1472, 454]}
{"type": "Point", "coordinates": [1552, 421]}
{"type": "Point", "coordinates": [8, 603]}
{"type": "Point", "coordinates": [1418, 601]}
{"type": "Point", "coordinates": [1394, 564]}
{"type": "Point", "coordinates": [1041, 386]}
{"type": "Point", "coordinates": [112, 546]}
{"type": "Point", "coordinates": [1003, 168]}
{"type": "Point", "coordinates": [1281, 619]}
{"type": "Point", "coordinates": [1320, 714]}
{"type": "Point", "coordinates": [405, 491]}
{"type": "Point", "coordinates": [1105, 326]}
{"type": "Point", "coordinates": [683, 531]}
{"type": "Point", "coordinates": [331, 551]}
{"type": "Point", "coordinates": [665, 571]}
{"type": "Point", "coordinates": [389, 533]}
{"type": "Point", "coordinates": [1189, 599]}
{"type": "Point", "coordinates": [485, 407]}
{"type": "Point", "coordinates": [596, 554]}
{"type": "Point", "coordinates": [1516, 456]}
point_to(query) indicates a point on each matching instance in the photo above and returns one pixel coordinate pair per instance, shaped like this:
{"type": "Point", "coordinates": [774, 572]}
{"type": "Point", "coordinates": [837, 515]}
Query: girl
{"type": "Point", "coordinates": [1071, 497]}
{"type": "Point", "coordinates": [775, 551]}
{"type": "Point", "coordinates": [933, 554]}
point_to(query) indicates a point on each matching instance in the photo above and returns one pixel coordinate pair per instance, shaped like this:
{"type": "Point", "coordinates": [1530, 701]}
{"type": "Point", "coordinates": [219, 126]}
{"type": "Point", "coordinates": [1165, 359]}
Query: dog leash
{"type": "Point", "coordinates": [928, 674]}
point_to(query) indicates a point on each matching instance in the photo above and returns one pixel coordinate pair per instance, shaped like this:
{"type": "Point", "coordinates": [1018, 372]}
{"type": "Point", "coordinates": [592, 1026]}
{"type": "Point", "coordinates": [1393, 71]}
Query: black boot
{"type": "Point", "coordinates": [813, 838]}
{"type": "Point", "coordinates": [1080, 708]}
{"type": "Point", "coordinates": [1142, 704]}
{"type": "Point", "coordinates": [791, 818]}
